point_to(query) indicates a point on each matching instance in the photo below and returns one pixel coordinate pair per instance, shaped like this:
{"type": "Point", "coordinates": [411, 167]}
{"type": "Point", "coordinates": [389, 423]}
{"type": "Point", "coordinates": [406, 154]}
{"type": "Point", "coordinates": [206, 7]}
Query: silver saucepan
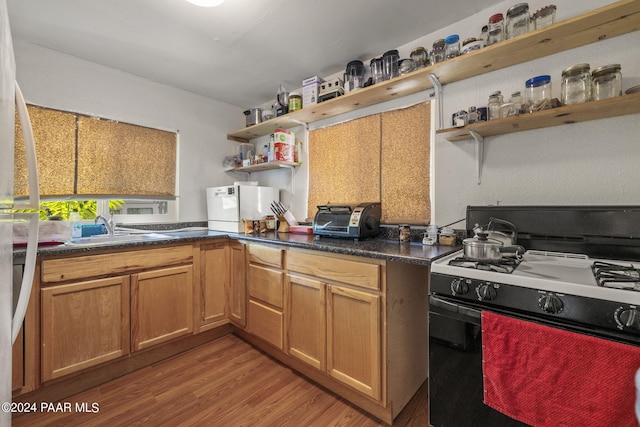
{"type": "Point", "coordinates": [483, 249]}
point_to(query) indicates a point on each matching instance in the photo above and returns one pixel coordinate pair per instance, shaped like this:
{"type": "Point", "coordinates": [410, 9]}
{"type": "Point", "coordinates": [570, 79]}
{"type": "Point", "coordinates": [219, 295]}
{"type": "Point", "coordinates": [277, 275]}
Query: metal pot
{"type": "Point", "coordinates": [253, 116]}
{"type": "Point", "coordinates": [481, 248]}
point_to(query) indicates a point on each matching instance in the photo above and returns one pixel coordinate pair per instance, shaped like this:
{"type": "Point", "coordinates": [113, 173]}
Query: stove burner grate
{"type": "Point", "coordinates": [617, 276]}
{"type": "Point", "coordinates": [505, 265]}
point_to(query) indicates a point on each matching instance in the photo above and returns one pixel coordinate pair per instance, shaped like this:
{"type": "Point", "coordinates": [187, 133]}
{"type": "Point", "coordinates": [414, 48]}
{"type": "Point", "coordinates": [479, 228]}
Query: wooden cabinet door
{"type": "Point", "coordinates": [84, 324]}
{"type": "Point", "coordinates": [161, 305]}
{"type": "Point", "coordinates": [306, 320]}
{"type": "Point", "coordinates": [354, 339]}
{"type": "Point", "coordinates": [237, 284]}
{"type": "Point", "coordinates": [17, 359]}
{"type": "Point", "coordinates": [214, 282]}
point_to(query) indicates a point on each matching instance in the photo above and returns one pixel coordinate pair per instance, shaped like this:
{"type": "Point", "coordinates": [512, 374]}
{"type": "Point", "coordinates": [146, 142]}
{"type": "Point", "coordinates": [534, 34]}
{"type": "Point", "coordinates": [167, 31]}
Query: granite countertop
{"type": "Point", "coordinates": [391, 250]}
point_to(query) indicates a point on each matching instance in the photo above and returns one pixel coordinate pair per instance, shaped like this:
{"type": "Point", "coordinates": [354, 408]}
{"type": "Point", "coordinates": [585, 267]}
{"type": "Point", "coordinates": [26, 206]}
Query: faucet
{"type": "Point", "coordinates": [109, 223]}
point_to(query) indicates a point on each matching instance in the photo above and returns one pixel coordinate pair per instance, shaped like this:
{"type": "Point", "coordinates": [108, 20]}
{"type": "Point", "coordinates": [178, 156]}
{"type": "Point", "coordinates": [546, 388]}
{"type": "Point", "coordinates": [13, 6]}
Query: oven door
{"type": "Point", "coordinates": [455, 368]}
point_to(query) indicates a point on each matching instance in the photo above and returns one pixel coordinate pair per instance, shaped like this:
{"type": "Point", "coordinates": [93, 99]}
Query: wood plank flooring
{"type": "Point", "coordinates": [226, 382]}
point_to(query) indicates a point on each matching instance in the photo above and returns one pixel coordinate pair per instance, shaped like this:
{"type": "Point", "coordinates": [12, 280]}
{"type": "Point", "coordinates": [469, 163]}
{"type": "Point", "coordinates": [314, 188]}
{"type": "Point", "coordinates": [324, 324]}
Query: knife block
{"type": "Point", "coordinates": [283, 226]}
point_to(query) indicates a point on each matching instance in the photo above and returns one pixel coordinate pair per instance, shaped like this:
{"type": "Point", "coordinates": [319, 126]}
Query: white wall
{"type": "Point", "coordinates": [596, 162]}
{"type": "Point", "coordinates": [55, 80]}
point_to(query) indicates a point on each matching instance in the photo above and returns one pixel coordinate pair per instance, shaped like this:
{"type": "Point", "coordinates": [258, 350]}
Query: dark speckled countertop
{"type": "Point", "coordinates": [414, 253]}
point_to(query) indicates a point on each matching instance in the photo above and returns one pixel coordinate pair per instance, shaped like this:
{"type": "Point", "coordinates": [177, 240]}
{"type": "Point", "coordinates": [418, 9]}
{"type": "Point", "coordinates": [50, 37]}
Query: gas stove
{"type": "Point", "coordinates": [565, 273]}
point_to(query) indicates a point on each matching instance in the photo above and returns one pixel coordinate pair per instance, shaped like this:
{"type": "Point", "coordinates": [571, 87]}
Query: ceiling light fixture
{"type": "Point", "coordinates": [206, 3]}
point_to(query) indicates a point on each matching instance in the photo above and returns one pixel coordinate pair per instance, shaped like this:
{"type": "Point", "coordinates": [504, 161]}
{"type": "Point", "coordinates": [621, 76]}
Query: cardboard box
{"type": "Point", "coordinates": [310, 89]}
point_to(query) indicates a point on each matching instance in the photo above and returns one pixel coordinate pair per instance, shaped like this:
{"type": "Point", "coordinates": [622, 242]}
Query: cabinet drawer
{"type": "Point", "coordinates": [266, 255]}
{"type": "Point", "coordinates": [83, 267]}
{"type": "Point", "coordinates": [266, 285]}
{"type": "Point", "coordinates": [266, 323]}
{"type": "Point", "coordinates": [349, 271]}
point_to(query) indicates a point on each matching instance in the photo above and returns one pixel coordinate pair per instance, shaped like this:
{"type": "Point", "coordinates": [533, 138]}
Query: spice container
{"type": "Point", "coordinates": [447, 236]}
{"type": "Point", "coordinates": [516, 100]}
{"type": "Point", "coordinates": [472, 115]}
{"type": "Point", "coordinates": [496, 29]}
{"type": "Point", "coordinates": [517, 22]}
{"type": "Point", "coordinates": [606, 82]}
{"type": "Point", "coordinates": [495, 103]}
{"type": "Point", "coordinates": [452, 46]}
{"type": "Point", "coordinates": [295, 101]}
{"type": "Point", "coordinates": [544, 17]}
{"type": "Point", "coordinates": [420, 57]}
{"type": "Point", "coordinates": [576, 85]}
{"type": "Point", "coordinates": [538, 93]}
{"type": "Point", "coordinates": [390, 64]}
{"type": "Point", "coordinates": [437, 53]}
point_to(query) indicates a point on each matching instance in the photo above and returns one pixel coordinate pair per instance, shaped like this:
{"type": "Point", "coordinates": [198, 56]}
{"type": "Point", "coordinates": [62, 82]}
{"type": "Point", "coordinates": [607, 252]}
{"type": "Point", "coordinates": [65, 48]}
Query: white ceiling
{"type": "Point", "coordinates": [238, 52]}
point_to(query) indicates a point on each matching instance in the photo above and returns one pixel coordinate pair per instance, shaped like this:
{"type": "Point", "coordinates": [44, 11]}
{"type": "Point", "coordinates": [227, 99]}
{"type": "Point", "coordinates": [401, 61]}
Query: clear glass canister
{"type": "Point", "coordinates": [496, 29]}
{"type": "Point", "coordinates": [390, 64]}
{"type": "Point", "coordinates": [437, 53]}
{"type": "Point", "coordinates": [544, 17]}
{"type": "Point", "coordinates": [516, 100]}
{"type": "Point", "coordinates": [420, 57]}
{"type": "Point", "coordinates": [576, 85]}
{"type": "Point", "coordinates": [376, 70]}
{"type": "Point", "coordinates": [494, 105]}
{"type": "Point", "coordinates": [472, 115]}
{"type": "Point", "coordinates": [606, 82]}
{"type": "Point", "coordinates": [517, 22]}
{"type": "Point", "coordinates": [452, 46]}
{"type": "Point", "coordinates": [538, 93]}
{"type": "Point", "coordinates": [405, 66]}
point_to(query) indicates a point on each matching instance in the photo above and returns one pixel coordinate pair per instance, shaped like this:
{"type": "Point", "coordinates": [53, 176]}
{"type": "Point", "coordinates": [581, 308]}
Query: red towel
{"type": "Point", "coordinates": [545, 376]}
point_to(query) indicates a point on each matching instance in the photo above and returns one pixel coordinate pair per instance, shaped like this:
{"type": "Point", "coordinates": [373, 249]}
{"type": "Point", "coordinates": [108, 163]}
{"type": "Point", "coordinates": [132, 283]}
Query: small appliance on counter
{"type": "Point", "coordinates": [346, 221]}
{"type": "Point", "coordinates": [227, 206]}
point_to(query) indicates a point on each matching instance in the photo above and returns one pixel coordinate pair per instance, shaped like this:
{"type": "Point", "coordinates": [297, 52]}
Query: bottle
{"type": "Point", "coordinates": [76, 226]}
{"type": "Point", "coordinates": [494, 105]}
{"type": "Point", "coordinates": [295, 101]}
{"type": "Point", "coordinates": [496, 29]}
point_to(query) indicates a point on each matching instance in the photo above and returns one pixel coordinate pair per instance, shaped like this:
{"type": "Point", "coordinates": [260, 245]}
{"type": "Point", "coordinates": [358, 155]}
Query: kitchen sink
{"type": "Point", "coordinates": [116, 239]}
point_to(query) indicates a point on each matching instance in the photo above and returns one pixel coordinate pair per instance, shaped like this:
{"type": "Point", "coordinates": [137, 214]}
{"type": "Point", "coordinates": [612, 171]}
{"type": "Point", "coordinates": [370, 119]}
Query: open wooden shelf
{"type": "Point", "coordinates": [265, 167]}
{"type": "Point", "coordinates": [606, 22]}
{"type": "Point", "coordinates": [594, 110]}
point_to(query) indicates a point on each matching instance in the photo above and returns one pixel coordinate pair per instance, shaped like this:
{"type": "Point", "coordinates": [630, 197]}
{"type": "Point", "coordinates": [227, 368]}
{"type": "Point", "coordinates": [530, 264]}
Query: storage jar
{"type": "Point", "coordinates": [576, 85]}
{"type": "Point", "coordinates": [494, 105]}
{"type": "Point", "coordinates": [606, 82]}
{"type": "Point", "coordinates": [496, 29]}
{"type": "Point", "coordinates": [420, 57]}
{"type": "Point", "coordinates": [405, 66]}
{"type": "Point", "coordinates": [472, 115]}
{"type": "Point", "coordinates": [538, 93]}
{"type": "Point", "coordinates": [295, 101]}
{"type": "Point", "coordinates": [452, 46]}
{"type": "Point", "coordinates": [517, 22]}
{"type": "Point", "coordinates": [544, 17]}
{"type": "Point", "coordinates": [390, 64]}
{"type": "Point", "coordinates": [516, 100]}
{"type": "Point", "coordinates": [437, 53]}
{"type": "Point", "coordinates": [376, 70]}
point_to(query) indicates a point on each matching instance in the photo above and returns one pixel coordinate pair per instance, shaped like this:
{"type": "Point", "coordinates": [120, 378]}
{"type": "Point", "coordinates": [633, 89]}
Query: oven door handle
{"type": "Point", "coordinates": [445, 306]}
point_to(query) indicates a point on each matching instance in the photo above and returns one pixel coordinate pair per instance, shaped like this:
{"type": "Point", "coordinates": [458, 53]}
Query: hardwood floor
{"type": "Point", "coordinates": [226, 382]}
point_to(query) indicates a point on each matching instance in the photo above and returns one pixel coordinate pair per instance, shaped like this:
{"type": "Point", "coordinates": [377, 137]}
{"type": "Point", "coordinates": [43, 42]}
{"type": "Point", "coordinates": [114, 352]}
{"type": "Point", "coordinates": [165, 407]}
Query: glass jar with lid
{"type": "Point", "coordinates": [496, 29]}
{"type": "Point", "coordinates": [390, 64]}
{"type": "Point", "coordinates": [516, 100]}
{"type": "Point", "coordinates": [472, 115]}
{"type": "Point", "coordinates": [576, 85]}
{"type": "Point", "coordinates": [544, 17]}
{"type": "Point", "coordinates": [517, 22]}
{"type": "Point", "coordinates": [606, 82]}
{"type": "Point", "coordinates": [437, 53]}
{"type": "Point", "coordinates": [420, 57]}
{"type": "Point", "coordinates": [452, 46]}
{"type": "Point", "coordinates": [538, 93]}
{"type": "Point", "coordinates": [405, 66]}
{"type": "Point", "coordinates": [494, 105]}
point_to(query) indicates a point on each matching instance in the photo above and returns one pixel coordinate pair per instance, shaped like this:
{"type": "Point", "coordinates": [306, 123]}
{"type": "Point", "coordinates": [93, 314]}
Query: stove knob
{"type": "Point", "coordinates": [459, 286]}
{"type": "Point", "coordinates": [486, 292]}
{"type": "Point", "coordinates": [550, 303]}
{"type": "Point", "coordinates": [629, 317]}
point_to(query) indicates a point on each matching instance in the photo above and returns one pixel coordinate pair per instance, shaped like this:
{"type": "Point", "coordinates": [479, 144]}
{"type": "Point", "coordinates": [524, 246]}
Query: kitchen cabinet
{"type": "Point", "coordinates": [237, 285]}
{"type": "Point", "coordinates": [606, 22]}
{"type": "Point", "coordinates": [100, 307]}
{"type": "Point", "coordinates": [345, 338]}
{"type": "Point", "coordinates": [26, 348]}
{"type": "Point", "coordinates": [265, 288]}
{"type": "Point", "coordinates": [84, 324]}
{"type": "Point", "coordinates": [161, 306]}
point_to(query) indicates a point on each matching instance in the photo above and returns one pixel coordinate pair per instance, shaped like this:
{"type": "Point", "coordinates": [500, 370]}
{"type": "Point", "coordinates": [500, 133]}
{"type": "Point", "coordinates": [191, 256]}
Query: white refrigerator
{"type": "Point", "coordinates": [10, 319]}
